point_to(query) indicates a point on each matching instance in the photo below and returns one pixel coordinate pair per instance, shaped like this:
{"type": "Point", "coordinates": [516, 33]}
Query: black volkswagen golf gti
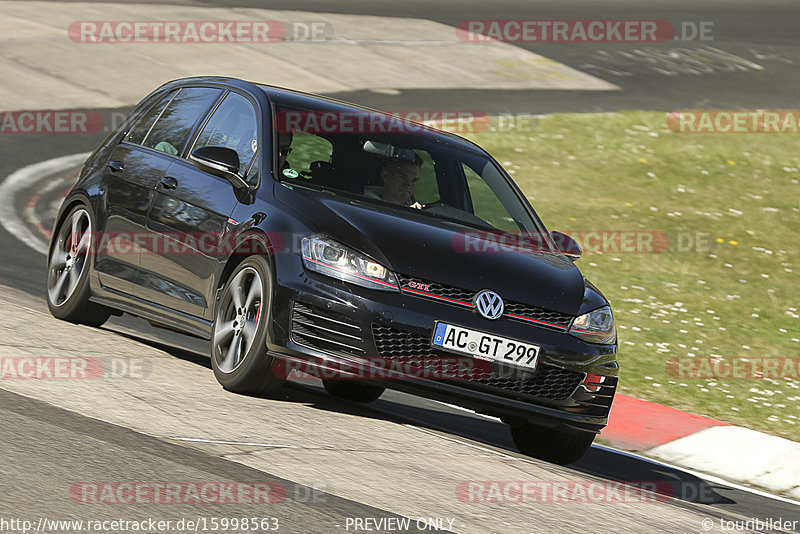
{"type": "Point", "coordinates": [306, 237]}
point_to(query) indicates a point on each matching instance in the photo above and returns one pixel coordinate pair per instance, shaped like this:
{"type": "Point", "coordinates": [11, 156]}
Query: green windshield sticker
{"type": "Point", "coordinates": [290, 173]}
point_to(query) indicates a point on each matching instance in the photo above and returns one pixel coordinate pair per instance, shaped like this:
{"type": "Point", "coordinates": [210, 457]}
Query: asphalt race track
{"type": "Point", "coordinates": [54, 438]}
{"type": "Point", "coordinates": [663, 76]}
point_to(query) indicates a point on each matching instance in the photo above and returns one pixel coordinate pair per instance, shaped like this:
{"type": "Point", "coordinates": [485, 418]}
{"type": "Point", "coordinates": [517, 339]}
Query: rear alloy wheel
{"type": "Point", "coordinates": [238, 343]}
{"type": "Point", "coordinates": [71, 253]}
{"type": "Point", "coordinates": [353, 390]}
{"type": "Point", "coordinates": [550, 445]}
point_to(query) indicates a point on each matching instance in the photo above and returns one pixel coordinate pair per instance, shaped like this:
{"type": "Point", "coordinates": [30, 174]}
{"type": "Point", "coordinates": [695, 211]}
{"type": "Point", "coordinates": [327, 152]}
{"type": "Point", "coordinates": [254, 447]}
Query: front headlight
{"type": "Point", "coordinates": [328, 257]}
{"type": "Point", "coordinates": [595, 327]}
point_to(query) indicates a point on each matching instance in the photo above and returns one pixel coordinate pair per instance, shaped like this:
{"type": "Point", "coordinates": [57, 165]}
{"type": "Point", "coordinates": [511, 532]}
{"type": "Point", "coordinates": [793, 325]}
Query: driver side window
{"type": "Point", "coordinates": [233, 125]}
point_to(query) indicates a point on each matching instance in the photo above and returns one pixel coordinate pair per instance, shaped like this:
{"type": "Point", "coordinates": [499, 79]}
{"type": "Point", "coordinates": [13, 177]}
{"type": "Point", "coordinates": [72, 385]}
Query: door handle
{"type": "Point", "coordinates": [116, 166]}
{"type": "Point", "coordinates": [168, 182]}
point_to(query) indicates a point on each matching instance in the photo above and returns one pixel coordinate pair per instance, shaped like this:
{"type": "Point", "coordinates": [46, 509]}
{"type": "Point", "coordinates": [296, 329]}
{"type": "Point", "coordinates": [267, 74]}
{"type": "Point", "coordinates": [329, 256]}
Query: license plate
{"type": "Point", "coordinates": [484, 345]}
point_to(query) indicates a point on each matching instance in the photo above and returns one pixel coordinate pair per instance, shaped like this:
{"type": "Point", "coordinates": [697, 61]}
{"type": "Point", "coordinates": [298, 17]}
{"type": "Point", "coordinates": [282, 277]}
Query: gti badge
{"type": "Point", "coordinates": [489, 304]}
{"type": "Point", "coordinates": [419, 285]}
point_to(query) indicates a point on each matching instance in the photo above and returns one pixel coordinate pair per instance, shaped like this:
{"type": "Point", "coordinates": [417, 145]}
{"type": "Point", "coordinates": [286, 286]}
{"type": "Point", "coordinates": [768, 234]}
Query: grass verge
{"type": "Point", "coordinates": [732, 201]}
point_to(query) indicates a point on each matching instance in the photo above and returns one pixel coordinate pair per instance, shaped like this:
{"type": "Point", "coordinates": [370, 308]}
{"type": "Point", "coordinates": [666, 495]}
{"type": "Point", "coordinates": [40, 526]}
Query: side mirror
{"type": "Point", "coordinates": [568, 246]}
{"type": "Point", "coordinates": [219, 161]}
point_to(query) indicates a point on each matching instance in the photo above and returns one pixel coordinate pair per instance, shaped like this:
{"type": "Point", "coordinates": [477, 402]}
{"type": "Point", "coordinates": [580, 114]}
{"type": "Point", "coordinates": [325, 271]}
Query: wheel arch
{"type": "Point", "coordinates": [66, 207]}
{"type": "Point", "coordinates": [255, 242]}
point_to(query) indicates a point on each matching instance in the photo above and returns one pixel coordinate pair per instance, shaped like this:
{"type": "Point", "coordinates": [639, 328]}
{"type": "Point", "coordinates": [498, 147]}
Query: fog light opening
{"type": "Point", "coordinates": [593, 382]}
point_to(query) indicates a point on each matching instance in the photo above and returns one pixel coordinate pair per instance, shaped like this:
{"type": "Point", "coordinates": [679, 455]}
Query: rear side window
{"type": "Point", "coordinates": [146, 121]}
{"type": "Point", "coordinates": [233, 125]}
{"type": "Point", "coordinates": [306, 149]}
{"type": "Point", "coordinates": [175, 123]}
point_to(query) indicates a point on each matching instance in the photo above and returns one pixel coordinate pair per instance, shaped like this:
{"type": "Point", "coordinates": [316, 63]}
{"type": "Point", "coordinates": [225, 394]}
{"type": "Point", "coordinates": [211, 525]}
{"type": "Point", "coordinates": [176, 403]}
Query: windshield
{"type": "Point", "coordinates": [385, 160]}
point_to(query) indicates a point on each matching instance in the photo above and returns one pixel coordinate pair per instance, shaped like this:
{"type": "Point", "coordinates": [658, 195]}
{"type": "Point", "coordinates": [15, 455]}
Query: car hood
{"type": "Point", "coordinates": [432, 249]}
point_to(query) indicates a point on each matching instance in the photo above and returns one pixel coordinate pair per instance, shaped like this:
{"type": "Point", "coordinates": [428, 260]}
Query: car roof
{"type": "Point", "coordinates": [298, 99]}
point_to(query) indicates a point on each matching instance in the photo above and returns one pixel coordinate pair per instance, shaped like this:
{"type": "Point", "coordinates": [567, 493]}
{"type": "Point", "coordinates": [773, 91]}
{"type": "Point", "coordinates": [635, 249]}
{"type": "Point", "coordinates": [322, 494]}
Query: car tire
{"type": "Point", "coordinates": [553, 446]}
{"type": "Point", "coordinates": [353, 390]}
{"type": "Point", "coordinates": [239, 335]}
{"type": "Point", "coordinates": [68, 262]}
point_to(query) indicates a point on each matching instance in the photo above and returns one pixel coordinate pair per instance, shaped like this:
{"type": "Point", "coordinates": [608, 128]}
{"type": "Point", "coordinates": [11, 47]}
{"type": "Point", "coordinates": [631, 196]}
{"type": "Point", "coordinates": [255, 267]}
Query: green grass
{"type": "Point", "coordinates": [736, 296]}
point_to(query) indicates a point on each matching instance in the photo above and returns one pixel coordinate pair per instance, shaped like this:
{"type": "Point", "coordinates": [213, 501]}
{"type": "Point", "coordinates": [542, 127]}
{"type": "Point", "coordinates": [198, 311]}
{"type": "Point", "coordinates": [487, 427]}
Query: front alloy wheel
{"type": "Point", "coordinates": [71, 252]}
{"type": "Point", "coordinates": [239, 351]}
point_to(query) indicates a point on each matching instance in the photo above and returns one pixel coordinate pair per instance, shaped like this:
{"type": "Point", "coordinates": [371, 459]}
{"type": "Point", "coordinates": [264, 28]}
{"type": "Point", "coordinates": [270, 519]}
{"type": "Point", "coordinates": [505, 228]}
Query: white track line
{"type": "Point", "coordinates": [702, 476]}
{"type": "Point", "coordinates": [21, 179]}
{"type": "Point", "coordinates": [30, 211]}
{"type": "Point", "coordinates": [705, 476]}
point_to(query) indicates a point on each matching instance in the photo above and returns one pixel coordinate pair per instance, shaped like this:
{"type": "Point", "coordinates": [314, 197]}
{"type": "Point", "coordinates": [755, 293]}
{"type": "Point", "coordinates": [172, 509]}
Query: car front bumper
{"type": "Point", "coordinates": [361, 333]}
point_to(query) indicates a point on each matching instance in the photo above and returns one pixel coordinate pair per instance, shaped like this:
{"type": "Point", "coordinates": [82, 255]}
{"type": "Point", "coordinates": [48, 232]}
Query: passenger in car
{"type": "Point", "coordinates": [166, 147]}
{"type": "Point", "coordinates": [399, 179]}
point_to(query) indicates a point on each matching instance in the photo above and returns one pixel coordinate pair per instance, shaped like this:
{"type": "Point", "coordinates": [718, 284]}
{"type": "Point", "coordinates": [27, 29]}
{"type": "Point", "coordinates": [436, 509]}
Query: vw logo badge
{"type": "Point", "coordinates": [489, 304]}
